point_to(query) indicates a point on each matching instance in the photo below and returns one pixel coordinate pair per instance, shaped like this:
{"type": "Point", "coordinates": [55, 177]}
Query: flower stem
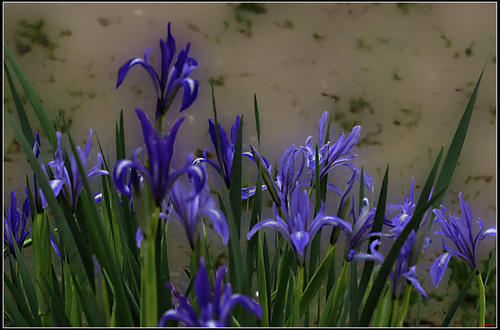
{"type": "Point", "coordinates": [482, 300]}
{"type": "Point", "coordinates": [149, 292]}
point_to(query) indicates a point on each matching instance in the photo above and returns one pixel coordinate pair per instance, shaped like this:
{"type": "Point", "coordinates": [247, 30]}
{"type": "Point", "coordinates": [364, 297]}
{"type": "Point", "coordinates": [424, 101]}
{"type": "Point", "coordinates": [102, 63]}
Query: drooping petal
{"type": "Point", "coordinates": [124, 69]}
{"type": "Point", "coordinates": [220, 224]}
{"type": "Point", "coordinates": [411, 276]}
{"type": "Point", "coordinates": [190, 87]}
{"type": "Point", "coordinates": [438, 267]}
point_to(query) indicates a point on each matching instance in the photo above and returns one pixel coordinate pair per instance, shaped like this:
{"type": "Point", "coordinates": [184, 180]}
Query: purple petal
{"type": "Point", "coordinates": [167, 54]}
{"type": "Point", "coordinates": [138, 237]}
{"type": "Point", "coordinates": [190, 87]}
{"type": "Point", "coordinates": [321, 128]}
{"type": "Point", "coordinates": [202, 287]}
{"type": "Point", "coordinates": [300, 240]}
{"type": "Point", "coordinates": [234, 129]}
{"type": "Point", "coordinates": [438, 267]}
{"type": "Point", "coordinates": [145, 64]}
{"type": "Point", "coordinates": [220, 224]}
{"type": "Point", "coordinates": [411, 276]}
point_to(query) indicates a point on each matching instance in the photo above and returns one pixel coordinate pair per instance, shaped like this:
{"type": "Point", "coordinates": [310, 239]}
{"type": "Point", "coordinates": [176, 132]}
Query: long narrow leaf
{"type": "Point", "coordinates": [261, 276]}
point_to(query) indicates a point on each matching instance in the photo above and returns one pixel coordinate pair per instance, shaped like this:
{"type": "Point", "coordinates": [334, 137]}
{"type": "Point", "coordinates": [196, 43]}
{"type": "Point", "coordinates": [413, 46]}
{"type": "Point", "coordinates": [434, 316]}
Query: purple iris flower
{"type": "Point", "coordinates": [225, 158]}
{"type": "Point", "coordinates": [71, 186]}
{"type": "Point", "coordinates": [215, 308]}
{"type": "Point", "coordinates": [405, 267]}
{"type": "Point", "coordinates": [361, 231]}
{"type": "Point", "coordinates": [298, 230]}
{"type": "Point", "coordinates": [332, 155]}
{"type": "Point", "coordinates": [157, 174]}
{"type": "Point", "coordinates": [189, 210]}
{"type": "Point", "coordinates": [459, 231]}
{"type": "Point", "coordinates": [288, 177]}
{"type": "Point", "coordinates": [171, 79]}
{"type": "Point", "coordinates": [15, 224]}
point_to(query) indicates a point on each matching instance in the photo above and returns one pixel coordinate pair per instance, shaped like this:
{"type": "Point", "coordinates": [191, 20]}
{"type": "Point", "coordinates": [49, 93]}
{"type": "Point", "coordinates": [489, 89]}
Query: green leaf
{"type": "Point", "coordinates": [333, 307]}
{"type": "Point", "coordinates": [261, 277]}
{"type": "Point", "coordinates": [20, 301]}
{"type": "Point", "coordinates": [35, 102]}
{"type": "Point", "coordinates": [235, 255]}
{"type": "Point", "coordinates": [383, 313]}
{"type": "Point", "coordinates": [257, 120]}
{"type": "Point", "coordinates": [26, 280]}
{"type": "Point", "coordinates": [354, 293]}
{"type": "Point", "coordinates": [14, 314]}
{"type": "Point", "coordinates": [317, 279]}
{"type": "Point", "coordinates": [21, 113]}
{"type": "Point", "coordinates": [283, 275]}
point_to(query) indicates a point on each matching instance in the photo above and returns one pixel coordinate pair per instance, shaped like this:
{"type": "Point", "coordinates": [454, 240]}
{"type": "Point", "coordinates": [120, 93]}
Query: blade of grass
{"type": "Point", "coordinates": [257, 120]}
{"type": "Point", "coordinates": [261, 277]}
{"type": "Point", "coordinates": [283, 275]}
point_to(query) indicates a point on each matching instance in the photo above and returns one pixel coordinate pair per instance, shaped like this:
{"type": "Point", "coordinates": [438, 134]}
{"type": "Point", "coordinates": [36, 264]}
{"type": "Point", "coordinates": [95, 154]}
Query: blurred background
{"type": "Point", "coordinates": [403, 71]}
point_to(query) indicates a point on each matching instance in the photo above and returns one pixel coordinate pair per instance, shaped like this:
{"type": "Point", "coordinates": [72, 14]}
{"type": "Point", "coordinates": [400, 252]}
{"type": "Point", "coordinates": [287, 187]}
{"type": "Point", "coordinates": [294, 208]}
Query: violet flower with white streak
{"type": "Point", "coordinates": [298, 229]}
{"type": "Point", "coordinates": [171, 78]}
{"type": "Point", "coordinates": [157, 174]}
{"type": "Point", "coordinates": [190, 207]}
{"type": "Point", "coordinates": [459, 232]}
{"type": "Point", "coordinates": [332, 155]}
{"type": "Point", "coordinates": [14, 230]}
{"type": "Point", "coordinates": [71, 186]}
{"type": "Point", "coordinates": [214, 308]}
